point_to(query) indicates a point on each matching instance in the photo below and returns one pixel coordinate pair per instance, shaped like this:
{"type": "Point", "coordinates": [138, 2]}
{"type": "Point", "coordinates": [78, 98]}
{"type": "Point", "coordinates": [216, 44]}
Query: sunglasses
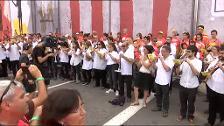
{"type": "Point", "coordinates": [6, 90]}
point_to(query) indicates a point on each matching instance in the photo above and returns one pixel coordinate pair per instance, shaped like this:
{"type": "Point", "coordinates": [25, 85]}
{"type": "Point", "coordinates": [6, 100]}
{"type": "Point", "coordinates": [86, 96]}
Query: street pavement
{"type": "Point", "coordinates": [100, 111]}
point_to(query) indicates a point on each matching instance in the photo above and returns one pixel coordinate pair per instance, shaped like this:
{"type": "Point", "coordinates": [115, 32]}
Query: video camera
{"type": "Point", "coordinates": [50, 41]}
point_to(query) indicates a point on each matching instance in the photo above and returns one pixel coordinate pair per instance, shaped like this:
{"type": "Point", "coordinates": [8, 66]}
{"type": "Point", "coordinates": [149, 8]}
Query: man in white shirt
{"type": "Point", "coordinates": [14, 54]}
{"type": "Point", "coordinates": [163, 76]}
{"type": "Point", "coordinates": [126, 61]}
{"type": "Point", "coordinates": [3, 62]}
{"type": "Point", "coordinates": [215, 89]}
{"type": "Point", "coordinates": [190, 69]}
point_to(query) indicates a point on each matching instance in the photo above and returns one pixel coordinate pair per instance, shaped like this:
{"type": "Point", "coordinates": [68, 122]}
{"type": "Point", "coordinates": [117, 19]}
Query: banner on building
{"type": "Point", "coordinates": [217, 9]}
{"type": "Point", "coordinates": [47, 17]}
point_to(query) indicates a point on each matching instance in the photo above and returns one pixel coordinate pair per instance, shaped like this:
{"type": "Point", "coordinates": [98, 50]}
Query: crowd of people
{"type": "Point", "coordinates": [144, 64]}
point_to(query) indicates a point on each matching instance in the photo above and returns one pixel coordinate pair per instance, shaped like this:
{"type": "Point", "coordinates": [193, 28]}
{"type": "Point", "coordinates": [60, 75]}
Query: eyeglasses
{"type": "Point", "coordinates": [6, 90]}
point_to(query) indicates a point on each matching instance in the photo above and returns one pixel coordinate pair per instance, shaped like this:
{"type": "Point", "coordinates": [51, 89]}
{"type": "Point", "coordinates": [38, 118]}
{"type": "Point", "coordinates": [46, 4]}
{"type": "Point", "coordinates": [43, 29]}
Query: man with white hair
{"type": "Point", "coordinates": [14, 104]}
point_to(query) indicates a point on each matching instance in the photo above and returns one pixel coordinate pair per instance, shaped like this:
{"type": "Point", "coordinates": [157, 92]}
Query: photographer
{"type": "Point", "coordinates": [24, 63]}
{"type": "Point", "coordinates": [41, 56]}
{"type": "Point", "coordinates": [16, 107]}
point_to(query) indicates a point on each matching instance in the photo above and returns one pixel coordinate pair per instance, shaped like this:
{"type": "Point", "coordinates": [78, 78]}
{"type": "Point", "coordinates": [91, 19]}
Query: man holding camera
{"type": "Point", "coordinates": [40, 57]}
{"type": "Point", "coordinates": [24, 63]}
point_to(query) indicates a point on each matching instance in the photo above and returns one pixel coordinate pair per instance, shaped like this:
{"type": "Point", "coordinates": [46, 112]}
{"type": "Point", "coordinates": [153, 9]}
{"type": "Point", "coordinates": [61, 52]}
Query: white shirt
{"type": "Point", "coordinates": [173, 49]}
{"type": "Point", "coordinates": [21, 46]}
{"type": "Point", "coordinates": [2, 53]}
{"type": "Point", "coordinates": [188, 79]}
{"type": "Point", "coordinates": [76, 57]}
{"type": "Point", "coordinates": [13, 53]}
{"type": "Point", "coordinates": [162, 76]}
{"type": "Point", "coordinates": [126, 67]}
{"type": "Point", "coordinates": [211, 58]}
{"type": "Point", "coordinates": [63, 57]}
{"type": "Point", "coordinates": [106, 43]}
{"type": "Point", "coordinates": [34, 44]}
{"type": "Point", "coordinates": [143, 69]}
{"type": "Point", "coordinates": [99, 63]}
{"type": "Point", "coordinates": [109, 60]}
{"type": "Point", "coordinates": [87, 64]}
{"type": "Point", "coordinates": [216, 83]}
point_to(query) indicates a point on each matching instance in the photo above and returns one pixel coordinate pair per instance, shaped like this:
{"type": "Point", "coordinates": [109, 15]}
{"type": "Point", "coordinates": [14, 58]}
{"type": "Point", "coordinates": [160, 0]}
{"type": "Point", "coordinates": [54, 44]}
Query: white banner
{"type": "Point", "coordinates": [46, 16]}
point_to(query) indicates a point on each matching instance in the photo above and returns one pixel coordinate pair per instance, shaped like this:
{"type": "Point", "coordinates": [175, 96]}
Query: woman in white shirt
{"type": "Point", "coordinates": [76, 59]}
{"type": "Point", "coordinates": [99, 64]}
{"type": "Point", "coordinates": [144, 79]}
{"type": "Point", "coordinates": [112, 58]}
{"type": "Point", "coordinates": [87, 62]}
{"type": "Point", "coordinates": [64, 60]}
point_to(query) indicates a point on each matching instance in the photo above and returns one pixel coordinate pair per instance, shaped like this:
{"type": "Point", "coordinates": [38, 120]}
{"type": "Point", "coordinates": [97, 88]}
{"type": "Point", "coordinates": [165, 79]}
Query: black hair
{"type": "Point", "coordinates": [113, 45]}
{"type": "Point", "coordinates": [201, 26]}
{"type": "Point", "coordinates": [102, 44]}
{"type": "Point", "coordinates": [58, 105]}
{"type": "Point", "coordinates": [221, 47]}
{"type": "Point", "coordinates": [187, 33]}
{"type": "Point", "coordinates": [105, 34]}
{"type": "Point", "coordinates": [200, 36]}
{"type": "Point", "coordinates": [77, 44]}
{"type": "Point", "coordinates": [140, 35]}
{"type": "Point", "coordinates": [214, 31]}
{"type": "Point", "coordinates": [182, 45]}
{"type": "Point", "coordinates": [167, 48]}
{"type": "Point", "coordinates": [147, 38]}
{"type": "Point", "coordinates": [27, 46]}
{"type": "Point", "coordinates": [193, 49]}
{"type": "Point", "coordinates": [149, 48]}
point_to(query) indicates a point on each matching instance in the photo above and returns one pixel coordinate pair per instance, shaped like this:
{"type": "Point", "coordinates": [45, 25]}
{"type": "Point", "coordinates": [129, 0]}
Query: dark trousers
{"type": "Point", "coordinates": [216, 105]}
{"type": "Point", "coordinates": [64, 70]}
{"type": "Point", "coordinates": [3, 72]}
{"type": "Point", "coordinates": [76, 71]}
{"type": "Point", "coordinates": [87, 76]}
{"type": "Point", "coordinates": [113, 76]}
{"type": "Point", "coordinates": [56, 69]}
{"type": "Point", "coordinates": [50, 65]}
{"type": "Point", "coordinates": [187, 100]}
{"type": "Point", "coordinates": [128, 80]}
{"type": "Point", "coordinates": [100, 76]}
{"type": "Point", "coordinates": [14, 67]}
{"type": "Point", "coordinates": [162, 96]}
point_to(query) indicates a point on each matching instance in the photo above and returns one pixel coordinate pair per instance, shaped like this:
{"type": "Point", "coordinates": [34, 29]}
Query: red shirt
{"type": "Point", "coordinates": [176, 40]}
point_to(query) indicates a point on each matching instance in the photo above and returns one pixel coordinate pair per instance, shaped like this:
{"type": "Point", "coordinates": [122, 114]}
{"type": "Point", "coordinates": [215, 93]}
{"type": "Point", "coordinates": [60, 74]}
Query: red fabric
{"type": "Point", "coordinates": [137, 54]}
{"type": "Point", "coordinates": [75, 15]}
{"type": "Point", "coordinates": [161, 10]}
{"type": "Point", "coordinates": [176, 40]}
{"type": "Point", "coordinates": [126, 15]}
{"type": "Point", "coordinates": [23, 122]}
{"type": "Point", "coordinates": [6, 24]}
{"type": "Point", "coordinates": [97, 17]}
